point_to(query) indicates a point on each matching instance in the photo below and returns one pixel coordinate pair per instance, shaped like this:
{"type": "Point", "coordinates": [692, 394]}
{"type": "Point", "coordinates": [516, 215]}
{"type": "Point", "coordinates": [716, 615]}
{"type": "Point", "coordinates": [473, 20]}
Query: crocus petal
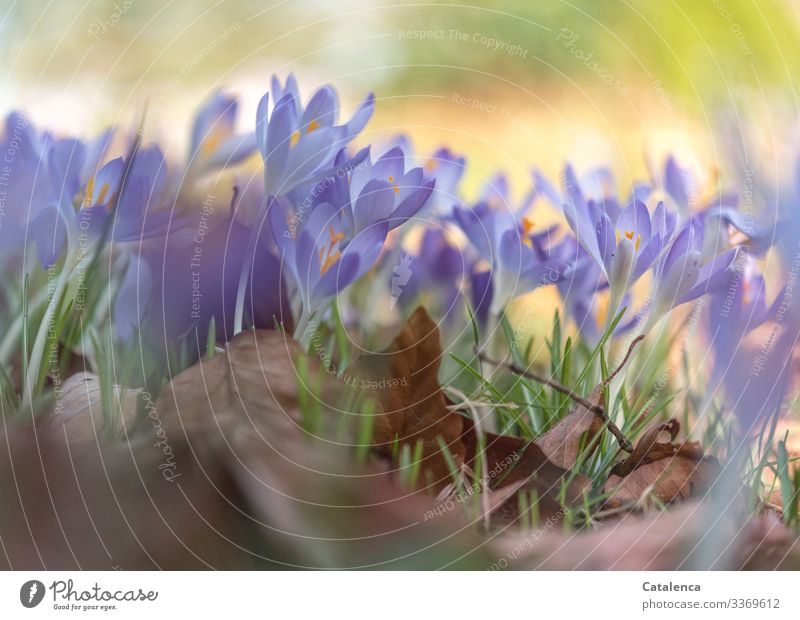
{"type": "Point", "coordinates": [319, 221]}
{"type": "Point", "coordinates": [598, 184]}
{"type": "Point", "coordinates": [712, 275]}
{"type": "Point", "coordinates": [390, 164]}
{"type": "Point", "coordinates": [606, 242]}
{"type": "Point", "coordinates": [262, 123]}
{"type": "Point", "coordinates": [635, 218]}
{"type": "Point", "coordinates": [361, 116]}
{"type": "Point", "coordinates": [672, 285]}
{"type": "Point", "coordinates": [412, 204]}
{"type": "Point", "coordinates": [132, 296]}
{"type": "Point", "coordinates": [573, 188]}
{"type": "Point", "coordinates": [323, 108]}
{"type": "Point", "coordinates": [281, 125]}
{"type": "Point", "coordinates": [475, 230]}
{"type": "Point", "coordinates": [689, 239]}
{"type": "Point", "coordinates": [481, 292]}
{"type": "Point", "coordinates": [647, 256]}
{"type": "Point", "coordinates": [761, 237]}
{"type": "Point", "coordinates": [308, 267]}
{"type": "Point", "coordinates": [542, 274]}
{"type": "Point", "coordinates": [214, 120]}
{"type": "Point", "coordinates": [676, 182]}
{"type": "Point", "coordinates": [368, 245]}
{"type": "Point", "coordinates": [510, 252]}
{"type": "Point", "coordinates": [336, 279]}
{"type": "Point", "coordinates": [106, 184]}
{"type": "Point", "coordinates": [358, 257]}
{"type": "Point", "coordinates": [620, 272]}
{"type": "Point", "coordinates": [545, 188]}
{"type": "Point", "coordinates": [65, 161]}
{"type": "Point", "coordinates": [48, 232]}
{"type": "Point", "coordinates": [757, 378]}
{"type": "Point", "coordinates": [231, 151]}
{"type": "Point", "coordinates": [313, 151]}
{"type": "Point", "coordinates": [641, 191]}
{"type": "Point", "coordinates": [374, 203]}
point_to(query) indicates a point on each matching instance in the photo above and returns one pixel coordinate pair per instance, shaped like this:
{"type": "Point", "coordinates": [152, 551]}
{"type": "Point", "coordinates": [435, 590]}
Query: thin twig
{"type": "Point", "coordinates": [598, 410]}
{"type": "Point", "coordinates": [476, 419]}
{"type": "Point", "coordinates": [612, 512]}
{"type": "Point", "coordinates": [628, 353]}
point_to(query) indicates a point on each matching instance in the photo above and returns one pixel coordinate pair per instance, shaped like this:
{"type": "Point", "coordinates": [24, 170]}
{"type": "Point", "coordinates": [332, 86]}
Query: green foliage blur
{"type": "Point", "coordinates": [543, 75]}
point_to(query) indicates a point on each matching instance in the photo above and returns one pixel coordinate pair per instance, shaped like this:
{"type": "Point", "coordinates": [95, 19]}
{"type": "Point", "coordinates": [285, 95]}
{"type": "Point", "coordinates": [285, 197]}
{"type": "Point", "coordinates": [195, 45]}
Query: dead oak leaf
{"type": "Point", "coordinates": [666, 470]}
{"type": "Point", "coordinates": [519, 464]}
{"type": "Point", "coordinates": [79, 409]}
{"type": "Point", "coordinates": [412, 407]}
{"type": "Point", "coordinates": [661, 540]}
{"type": "Point", "coordinates": [563, 443]}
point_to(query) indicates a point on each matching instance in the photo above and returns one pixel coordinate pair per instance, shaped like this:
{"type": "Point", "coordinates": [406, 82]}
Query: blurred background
{"type": "Point", "coordinates": [509, 84]}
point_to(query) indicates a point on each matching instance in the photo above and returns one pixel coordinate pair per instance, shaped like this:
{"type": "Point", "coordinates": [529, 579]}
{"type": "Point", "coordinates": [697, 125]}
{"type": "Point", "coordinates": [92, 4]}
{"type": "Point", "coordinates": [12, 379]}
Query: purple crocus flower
{"type": "Point", "coordinates": [683, 187]}
{"type": "Point", "coordinates": [319, 258]}
{"type": "Point", "coordinates": [496, 193]}
{"type": "Point", "coordinates": [738, 307]}
{"type": "Point", "coordinates": [299, 144]}
{"type": "Point", "coordinates": [372, 192]}
{"type": "Point", "coordinates": [753, 345]}
{"type": "Point", "coordinates": [481, 293]}
{"type": "Point", "coordinates": [685, 272]}
{"type": "Point", "coordinates": [444, 166]}
{"type": "Point", "coordinates": [758, 235]}
{"type": "Point", "coordinates": [721, 210]}
{"type": "Point", "coordinates": [214, 142]}
{"type": "Point", "coordinates": [26, 188]}
{"type": "Point", "coordinates": [510, 249]}
{"type": "Point", "coordinates": [758, 376]}
{"type": "Point", "coordinates": [135, 216]}
{"type": "Point", "coordinates": [180, 281]}
{"type": "Point", "coordinates": [436, 268]}
{"type": "Point", "coordinates": [446, 169]}
{"type": "Point", "coordinates": [624, 244]}
{"type": "Point", "coordinates": [596, 185]}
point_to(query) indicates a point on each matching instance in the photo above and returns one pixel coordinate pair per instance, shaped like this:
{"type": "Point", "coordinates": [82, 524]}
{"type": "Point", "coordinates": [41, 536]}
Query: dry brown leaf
{"type": "Point", "coordinates": [413, 408]}
{"type": "Point", "coordinates": [405, 382]}
{"type": "Point", "coordinates": [515, 462]}
{"type": "Point", "coordinates": [674, 539]}
{"type": "Point", "coordinates": [303, 494]}
{"type": "Point", "coordinates": [254, 382]}
{"type": "Point", "coordinates": [562, 443]}
{"type": "Point", "coordinates": [666, 470]}
{"type": "Point", "coordinates": [248, 487]}
{"type": "Point", "coordinates": [78, 408]}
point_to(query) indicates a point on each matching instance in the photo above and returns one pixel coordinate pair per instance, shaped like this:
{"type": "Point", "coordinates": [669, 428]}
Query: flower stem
{"type": "Point", "coordinates": [31, 386]}
{"type": "Point", "coordinates": [304, 330]}
{"type": "Point", "coordinates": [247, 266]}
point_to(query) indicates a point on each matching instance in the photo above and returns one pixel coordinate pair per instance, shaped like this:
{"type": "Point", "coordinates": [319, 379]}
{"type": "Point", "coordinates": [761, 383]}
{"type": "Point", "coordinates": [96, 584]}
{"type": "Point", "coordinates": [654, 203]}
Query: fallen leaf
{"type": "Point", "coordinates": [255, 381]}
{"type": "Point", "coordinates": [523, 465]}
{"type": "Point", "coordinates": [304, 493]}
{"type": "Point", "coordinates": [404, 379]}
{"type": "Point", "coordinates": [562, 443]}
{"type": "Point", "coordinates": [666, 470]}
{"type": "Point", "coordinates": [221, 473]}
{"type": "Point", "coordinates": [413, 408]}
{"type": "Point", "coordinates": [674, 539]}
{"type": "Point", "coordinates": [78, 409]}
